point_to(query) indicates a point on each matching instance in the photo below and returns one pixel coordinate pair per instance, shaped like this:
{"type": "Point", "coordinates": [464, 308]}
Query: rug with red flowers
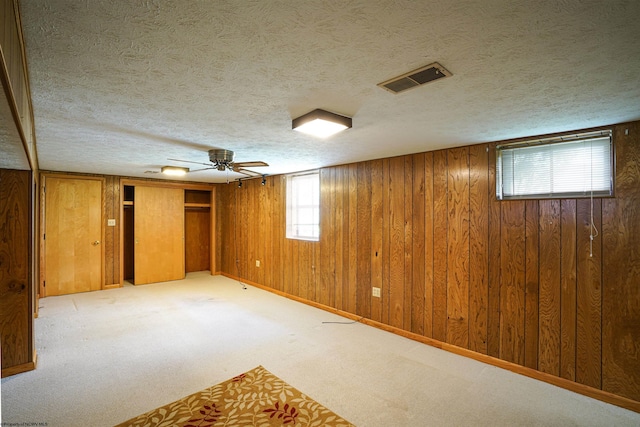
{"type": "Point", "coordinates": [255, 398]}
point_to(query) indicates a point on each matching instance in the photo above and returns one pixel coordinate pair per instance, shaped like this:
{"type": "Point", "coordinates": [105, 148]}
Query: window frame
{"type": "Point", "coordinates": [291, 209]}
{"type": "Point", "coordinates": [550, 141]}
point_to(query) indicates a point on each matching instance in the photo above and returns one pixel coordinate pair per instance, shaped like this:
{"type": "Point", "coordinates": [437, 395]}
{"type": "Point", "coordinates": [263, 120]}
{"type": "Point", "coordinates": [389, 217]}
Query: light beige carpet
{"type": "Point", "coordinates": [255, 398]}
{"type": "Point", "coordinates": [105, 357]}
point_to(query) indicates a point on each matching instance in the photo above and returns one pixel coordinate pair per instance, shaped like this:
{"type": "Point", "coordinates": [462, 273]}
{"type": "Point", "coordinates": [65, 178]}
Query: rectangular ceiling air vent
{"type": "Point", "coordinates": [415, 78]}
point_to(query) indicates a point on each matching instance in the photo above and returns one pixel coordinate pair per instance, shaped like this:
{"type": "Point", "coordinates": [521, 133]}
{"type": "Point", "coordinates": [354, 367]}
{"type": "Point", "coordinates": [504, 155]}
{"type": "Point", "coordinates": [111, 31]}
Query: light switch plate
{"type": "Point", "coordinates": [376, 292]}
{"type": "Point", "coordinates": [111, 222]}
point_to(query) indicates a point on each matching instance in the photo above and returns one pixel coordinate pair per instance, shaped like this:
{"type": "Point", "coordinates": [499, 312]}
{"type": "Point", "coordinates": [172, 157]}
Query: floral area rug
{"type": "Point", "coordinates": [255, 398]}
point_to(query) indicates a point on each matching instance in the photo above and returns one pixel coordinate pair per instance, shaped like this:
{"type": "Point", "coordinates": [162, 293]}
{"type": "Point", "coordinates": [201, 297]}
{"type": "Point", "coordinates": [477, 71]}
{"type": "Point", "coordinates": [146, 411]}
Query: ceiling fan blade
{"type": "Point", "coordinates": [249, 164]}
{"type": "Point", "coordinates": [188, 161]}
{"type": "Point", "coordinates": [246, 172]}
{"type": "Point", "coordinates": [198, 170]}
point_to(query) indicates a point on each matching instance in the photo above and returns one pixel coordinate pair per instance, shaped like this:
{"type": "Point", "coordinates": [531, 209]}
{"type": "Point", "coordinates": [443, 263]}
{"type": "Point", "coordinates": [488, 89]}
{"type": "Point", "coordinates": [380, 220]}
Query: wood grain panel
{"type": "Point", "coordinates": [495, 263]}
{"type": "Point", "coordinates": [253, 217]}
{"type": "Point", "coordinates": [418, 250]}
{"type": "Point", "coordinates": [408, 242]}
{"type": "Point", "coordinates": [263, 234]}
{"type": "Point", "coordinates": [278, 227]}
{"type": "Point", "coordinates": [386, 240]}
{"type": "Point", "coordinates": [353, 239]}
{"type": "Point", "coordinates": [287, 267]}
{"type": "Point", "coordinates": [112, 233]}
{"type": "Point", "coordinates": [621, 270]}
{"type": "Point", "coordinates": [246, 243]}
{"type": "Point", "coordinates": [221, 212]}
{"type": "Point", "coordinates": [512, 289]}
{"type": "Point", "coordinates": [396, 242]}
{"type": "Point", "coordinates": [226, 211]}
{"type": "Point", "coordinates": [458, 247]}
{"type": "Point", "coordinates": [589, 294]}
{"type": "Point", "coordinates": [293, 271]}
{"type": "Point", "coordinates": [213, 267]}
{"type": "Point", "coordinates": [305, 270]}
{"type": "Point", "coordinates": [116, 243]}
{"type": "Point", "coordinates": [440, 227]}
{"type": "Point", "coordinates": [15, 288]}
{"type": "Point", "coordinates": [342, 246]}
{"type": "Point", "coordinates": [315, 270]}
{"type": "Point", "coordinates": [549, 307]}
{"type": "Point", "coordinates": [531, 325]}
{"type": "Point", "coordinates": [326, 245]}
{"type": "Point", "coordinates": [377, 253]}
{"type": "Point", "coordinates": [478, 246]}
{"type": "Point", "coordinates": [197, 251]}
{"type": "Point", "coordinates": [240, 231]}
{"type": "Point", "coordinates": [363, 284]}
{"type": "Point", "coordinates": [428, 245]}
{"type": "Point", "coordinates": [568, 290]}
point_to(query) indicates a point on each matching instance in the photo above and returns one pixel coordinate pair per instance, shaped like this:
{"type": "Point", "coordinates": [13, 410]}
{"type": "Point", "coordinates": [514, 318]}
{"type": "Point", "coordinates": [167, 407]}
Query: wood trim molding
{"type": "Point", "coordinates": [18, 369]}
{"type": "Point", "coordinates": [594, 393]}
{"type": "Point", "coordinates": [212, 232]}
{"type": "Point", "coordinates": [168, 184]}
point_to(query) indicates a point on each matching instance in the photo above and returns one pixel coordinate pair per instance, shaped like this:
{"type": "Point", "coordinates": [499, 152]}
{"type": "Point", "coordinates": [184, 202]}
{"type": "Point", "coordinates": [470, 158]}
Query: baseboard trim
{"type": "Point", "coordinates": [585, 390]}
{"type": "Point", "coordinates": [18, 369]}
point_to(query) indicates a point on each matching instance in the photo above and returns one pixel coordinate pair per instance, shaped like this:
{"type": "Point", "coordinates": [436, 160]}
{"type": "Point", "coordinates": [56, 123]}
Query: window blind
{"type": "Point", "coordinates": [303, 206]}
{"type": "Point", "coordinates": [576, 168]}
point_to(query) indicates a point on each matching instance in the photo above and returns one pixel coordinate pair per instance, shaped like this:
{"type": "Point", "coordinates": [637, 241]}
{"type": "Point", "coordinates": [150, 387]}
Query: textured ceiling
{"type": "Point", "coordinates": [120, 86]}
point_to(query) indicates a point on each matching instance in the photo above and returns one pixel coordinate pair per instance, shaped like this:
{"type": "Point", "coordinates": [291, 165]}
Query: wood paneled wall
{"type": "Point", "coordinates": [515, 280]}
{"type": "Point", "coordinates": [16, 286]}
{"type": "Point", "coordinates": [112, 234]}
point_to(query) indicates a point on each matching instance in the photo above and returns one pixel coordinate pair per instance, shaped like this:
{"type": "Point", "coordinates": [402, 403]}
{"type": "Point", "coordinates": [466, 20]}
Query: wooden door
{"type": "Point", "coordinates": [159, 234]}
{"type": "Point", "coordinates": [73, 235]}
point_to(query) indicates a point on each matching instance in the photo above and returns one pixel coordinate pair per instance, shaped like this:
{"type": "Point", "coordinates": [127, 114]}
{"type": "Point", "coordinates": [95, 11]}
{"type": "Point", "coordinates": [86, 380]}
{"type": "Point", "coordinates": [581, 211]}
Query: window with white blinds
{"type": "Point", "coordinates": [576, 166]}
{"type": "Point", "coordinates": [303, 206]}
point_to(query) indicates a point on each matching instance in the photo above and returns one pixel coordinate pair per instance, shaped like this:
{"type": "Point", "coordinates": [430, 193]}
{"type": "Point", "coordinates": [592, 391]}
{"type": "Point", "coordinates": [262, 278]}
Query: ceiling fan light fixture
{"type": "Point", "coordinates": [174, 170]}
{"type": "Point", "coordinates": [321, 123]}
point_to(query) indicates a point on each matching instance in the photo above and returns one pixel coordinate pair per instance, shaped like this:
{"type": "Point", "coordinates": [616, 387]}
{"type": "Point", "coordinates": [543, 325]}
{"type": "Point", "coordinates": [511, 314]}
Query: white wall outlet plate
{"type": "Point", "coordinates": [111, 222]}
{"type": "Point", "coordinates": [375, 292]}
{"type": "Point", "coordinates": [257, 263]}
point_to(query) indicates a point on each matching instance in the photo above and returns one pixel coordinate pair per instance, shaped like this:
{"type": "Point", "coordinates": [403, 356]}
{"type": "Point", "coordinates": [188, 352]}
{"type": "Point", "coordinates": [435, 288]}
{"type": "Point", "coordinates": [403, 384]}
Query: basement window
{"type": "Point", "coordinates": [563, 167]}
{"type": "Point", "coordinates": [303, 206]}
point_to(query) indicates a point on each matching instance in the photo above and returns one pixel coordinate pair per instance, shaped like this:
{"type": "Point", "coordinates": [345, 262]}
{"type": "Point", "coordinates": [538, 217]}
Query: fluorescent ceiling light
{"type": "Point", "coordinates": [321, 123]}
{"type": "Point", "coordinates": [174, 170]}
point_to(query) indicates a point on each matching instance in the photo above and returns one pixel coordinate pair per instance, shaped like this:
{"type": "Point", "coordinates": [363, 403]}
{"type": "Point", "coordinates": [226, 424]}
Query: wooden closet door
{"type": "Point", "coordinates": [159, 234]}
{"type": "Point", "coordinates": [73, 235]}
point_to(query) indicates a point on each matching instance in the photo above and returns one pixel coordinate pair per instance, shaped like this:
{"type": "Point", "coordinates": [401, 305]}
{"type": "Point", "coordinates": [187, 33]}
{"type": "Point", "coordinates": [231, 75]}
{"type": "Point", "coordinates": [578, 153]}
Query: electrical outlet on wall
{"type": "Point", "coordinates": [257, 263]}
{"type": "Point", "coordinates": [375, 292]}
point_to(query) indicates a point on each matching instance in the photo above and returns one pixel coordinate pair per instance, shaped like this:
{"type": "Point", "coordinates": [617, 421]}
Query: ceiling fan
{"type": "Point", "coordinates": [222, 160]}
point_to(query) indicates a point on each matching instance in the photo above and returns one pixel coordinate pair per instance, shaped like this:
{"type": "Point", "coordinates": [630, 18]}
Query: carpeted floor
{"type": "Point", "coordinates": [106, 357]}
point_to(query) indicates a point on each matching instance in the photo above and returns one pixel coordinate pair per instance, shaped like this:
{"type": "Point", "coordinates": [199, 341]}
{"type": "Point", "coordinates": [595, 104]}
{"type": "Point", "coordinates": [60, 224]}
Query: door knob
{"type": "Point", "coordinates": [96, 243]}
